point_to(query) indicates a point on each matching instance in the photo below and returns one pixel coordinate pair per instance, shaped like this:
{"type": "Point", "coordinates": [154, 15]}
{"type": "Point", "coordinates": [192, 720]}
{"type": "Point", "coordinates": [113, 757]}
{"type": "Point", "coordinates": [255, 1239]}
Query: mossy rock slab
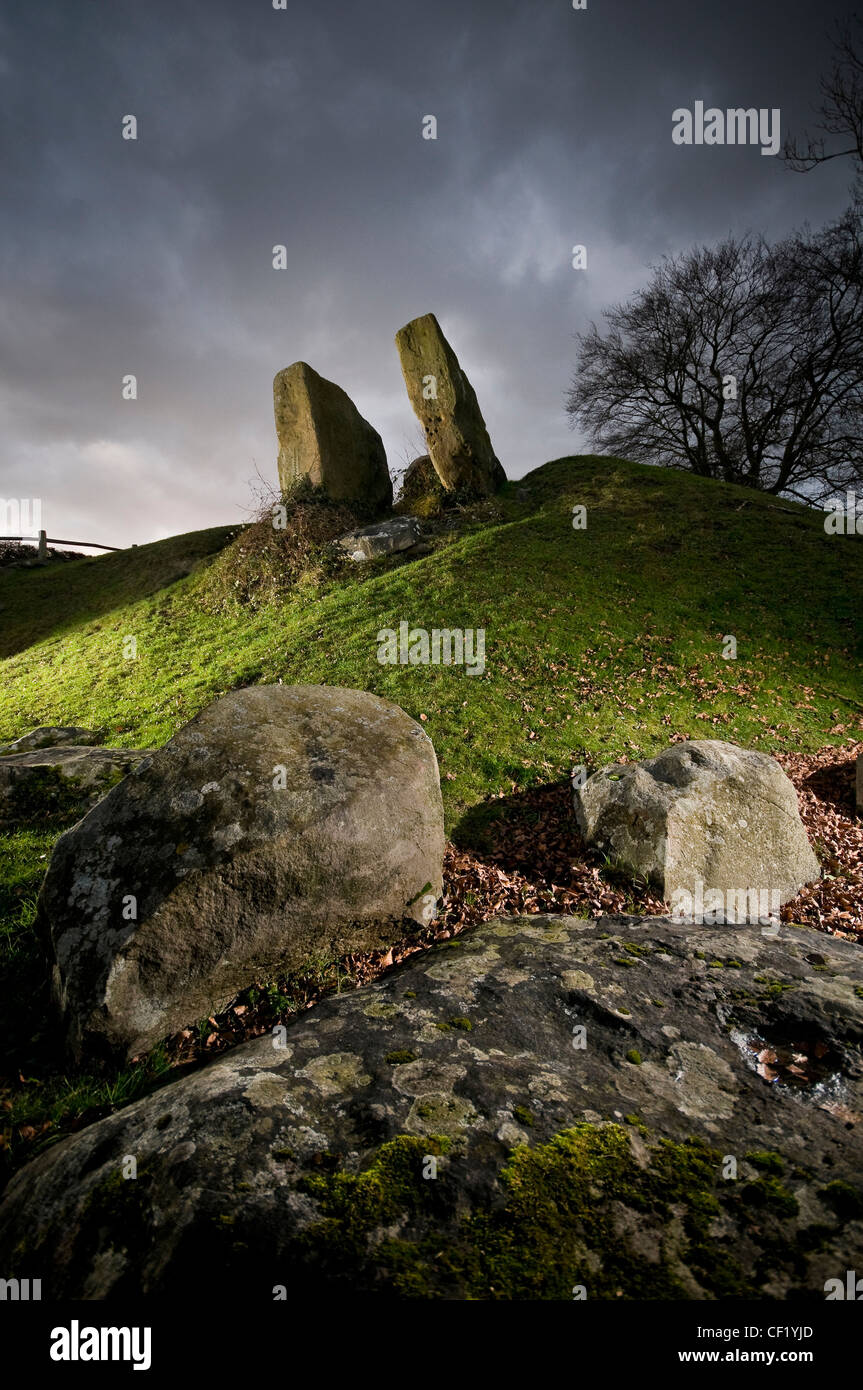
{"type": "Point", "coordinates": [46, 783]}
{"type": "Point", "coordinates": [52, 736]}
{"type": "Point", "coordinates": [525, 1157]}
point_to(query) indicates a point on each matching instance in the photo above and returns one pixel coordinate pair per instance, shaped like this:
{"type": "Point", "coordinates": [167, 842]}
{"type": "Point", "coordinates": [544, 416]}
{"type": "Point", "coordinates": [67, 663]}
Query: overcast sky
{"type": "Point", "coordinates": [304, 127]}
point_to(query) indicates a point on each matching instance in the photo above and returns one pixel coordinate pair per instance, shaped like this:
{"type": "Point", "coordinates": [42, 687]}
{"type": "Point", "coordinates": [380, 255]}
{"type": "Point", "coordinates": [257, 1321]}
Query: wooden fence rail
{"type": "Point", "coordinates": [45, 541]}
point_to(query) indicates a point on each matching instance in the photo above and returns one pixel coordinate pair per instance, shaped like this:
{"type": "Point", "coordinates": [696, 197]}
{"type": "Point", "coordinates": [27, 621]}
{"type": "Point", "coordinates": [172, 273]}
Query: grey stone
{"type": "Point", "coordinates": [470, 1054]}
{"type": "Point", "coordinates": [323, 438]}
{"type": "Point", "coordinates": [52, 736]}
{"type": "Point", "coordinates": [281, 823]}
{"type": "Point", "coordinates": [383, 538]}
{"type": "Point", "coordinates": [447, 408]}
{"type": "Point", "coordinates": [26, 778]}
{"type": "Point", "coordinates": [701, 812]}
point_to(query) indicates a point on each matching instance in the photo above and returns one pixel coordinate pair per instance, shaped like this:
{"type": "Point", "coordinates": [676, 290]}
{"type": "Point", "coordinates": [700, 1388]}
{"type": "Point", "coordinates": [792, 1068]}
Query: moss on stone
{"type": "Point", "coordinates": [524, 1116]}
{"type": "Point", "coordinates": [121, 1205]}
{"type": "Point", "coordinates": [769, 1193]}
{"type": "Point", "coordinates": [766, 1161]}
{"type": "Point", "coordinates": [634, 1056]}
{"type": "Point", "coordinates": [559, 1224]}
{"type": "Point", "coordinates": [846, 1200]}
{"type": "Point", "coordinates": [464, 1024]}
{"type": "Point", "coordinates": [400, 1055]}
{"type": "Point", "coordinates": [45, 797]}
{"type": "Point", "coordinates": [773, 989]}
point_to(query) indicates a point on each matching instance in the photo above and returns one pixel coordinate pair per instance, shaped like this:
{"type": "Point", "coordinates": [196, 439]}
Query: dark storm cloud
{"type": "Point", "coordinates": [302, 127]}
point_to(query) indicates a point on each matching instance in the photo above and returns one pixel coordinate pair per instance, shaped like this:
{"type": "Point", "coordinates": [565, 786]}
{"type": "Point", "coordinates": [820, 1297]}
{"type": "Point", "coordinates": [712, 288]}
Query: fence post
{"type": "Point", "coordinates": [42, 553]}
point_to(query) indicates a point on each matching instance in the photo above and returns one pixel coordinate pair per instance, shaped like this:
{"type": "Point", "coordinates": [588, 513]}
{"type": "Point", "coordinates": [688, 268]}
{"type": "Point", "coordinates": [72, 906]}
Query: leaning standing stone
{"type": "Point", "coordinates": [447, 408]}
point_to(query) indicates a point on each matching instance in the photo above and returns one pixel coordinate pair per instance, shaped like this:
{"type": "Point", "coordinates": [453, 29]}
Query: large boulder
{"type": "Point", "coordinates": [628, 1108]}
{"type": "Point", "coordinates": [702, 815]}
{"type": "Point", "coordinates": [282, 823]}
{"type": "Point", "coordinates": [323, 438]}
{"type": "Point", "coordinates": [61, 779]}
{"type": "Point", "coordinates": [447, 408]}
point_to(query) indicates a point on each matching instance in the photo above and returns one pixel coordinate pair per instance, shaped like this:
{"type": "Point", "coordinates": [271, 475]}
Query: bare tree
{"type": "Point", "coordinates": [740, 362]}
{"type": "Point", "coordinates": [841, 108]}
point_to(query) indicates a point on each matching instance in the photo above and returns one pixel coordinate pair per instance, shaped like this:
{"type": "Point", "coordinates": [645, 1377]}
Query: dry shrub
{"type": "Point", "coordinates": [265, 563]}
{"type": "Point", "coordinates": [421, 492]}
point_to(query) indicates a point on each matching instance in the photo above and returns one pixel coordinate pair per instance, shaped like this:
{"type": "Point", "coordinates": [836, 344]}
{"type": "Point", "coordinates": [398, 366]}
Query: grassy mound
{"type": "Point", "coordinates": [599, 642]}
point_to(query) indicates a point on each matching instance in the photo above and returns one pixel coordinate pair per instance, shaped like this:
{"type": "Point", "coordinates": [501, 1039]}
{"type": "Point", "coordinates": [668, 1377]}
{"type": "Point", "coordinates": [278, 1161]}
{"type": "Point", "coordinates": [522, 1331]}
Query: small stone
{"type": "Point", "coordinates": [383, 538]}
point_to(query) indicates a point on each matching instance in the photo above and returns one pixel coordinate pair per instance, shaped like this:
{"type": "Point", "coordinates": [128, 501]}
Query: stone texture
{"type": "Point", "coordinates": [323, 437]}
{"type": "Point", "coordinates": [51, 736]}
{"type": "Point", "coordinates": [302, 1166]}
{"type": "Point", "coordinates": [455, 431]}
{"type": "Point", "coordinates": [383, 538]}
{"type": "Point", "coordinates": [700, 811]}
{"type": "Point", "coordinates": [30, 779]}
{"type": "Point", "coordinates": [233, 875]}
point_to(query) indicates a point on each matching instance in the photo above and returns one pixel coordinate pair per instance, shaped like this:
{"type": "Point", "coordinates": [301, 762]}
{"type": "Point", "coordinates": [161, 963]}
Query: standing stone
{"type": "Point", "coordinates": [284, 823]}
{"type": "Point", "coordinates": [323, 437]}
{"type": "Point", "coordinates": [447, 408]}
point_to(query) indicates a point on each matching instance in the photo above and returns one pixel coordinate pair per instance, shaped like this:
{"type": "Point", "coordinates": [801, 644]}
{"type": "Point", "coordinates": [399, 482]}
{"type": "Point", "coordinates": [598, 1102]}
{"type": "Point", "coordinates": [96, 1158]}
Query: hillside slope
{"type": "Point", "coordinates": [600, 643]}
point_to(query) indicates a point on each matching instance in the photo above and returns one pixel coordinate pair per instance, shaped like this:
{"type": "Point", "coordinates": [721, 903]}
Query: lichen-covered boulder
{"type": "Point", "coordinates": [541, 1108]}
{"type": "Point", "coordinates": [706, 813]}
{"type": "Point", "coordinates": [62, 778]}
{"type": "Point", "coordinates": [446, 405]}
{"type": "Point", "coordinates": [281, 823]}
{"type": "Point", "coordinates": [323, 438]}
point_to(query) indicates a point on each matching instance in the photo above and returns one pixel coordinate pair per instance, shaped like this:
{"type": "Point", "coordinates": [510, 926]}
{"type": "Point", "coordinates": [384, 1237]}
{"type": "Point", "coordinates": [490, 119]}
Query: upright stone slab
{"type": "Point", "coordinates": [323, 437]}
{"type": "Point", "coordinates": [447, 408]}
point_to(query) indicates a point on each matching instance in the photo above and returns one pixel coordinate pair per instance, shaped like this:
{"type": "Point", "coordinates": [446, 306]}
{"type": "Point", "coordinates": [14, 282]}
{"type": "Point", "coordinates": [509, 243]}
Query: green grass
{"type": "Point", "coordinates": [600, 643]}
